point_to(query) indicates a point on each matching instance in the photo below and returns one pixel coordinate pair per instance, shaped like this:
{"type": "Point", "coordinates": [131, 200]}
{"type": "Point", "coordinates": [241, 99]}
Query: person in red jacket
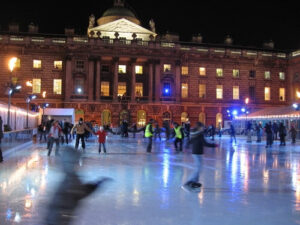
{"type": "Point", "coordinates": [102, 138]}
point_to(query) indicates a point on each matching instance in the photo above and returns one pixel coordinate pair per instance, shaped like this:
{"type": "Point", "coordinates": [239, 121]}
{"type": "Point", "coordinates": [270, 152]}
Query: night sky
{"type": "Point", "coordinates": [250, 23]}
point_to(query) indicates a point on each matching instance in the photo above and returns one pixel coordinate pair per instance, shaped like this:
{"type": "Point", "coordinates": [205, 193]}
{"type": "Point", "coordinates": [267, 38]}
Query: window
{"type": "Point", "coordinates": [267, 75]}
{"type": "Point", "coordinates": [184, 90]}
{"type": "Point", "coordinates": [36, 86]}
{"type": "Point", "coordinates": [202, 71]}
{"type": "Point", "coordinates": [167, 67]}
{"type": "Point", "coordinates": [37, 64]}
{"type": "Point", "coordinates": [138, 69]}
{"type": "Point", "coordinates": [141, 118]}
{"type": "Point", "coordinates": [236, 93]}
{"type": "Point", "coordinates": [104, 88]}
{"type": "Point", "coordinates": [267, 93]}
{"type": "Point", "coordinates": [252, 73]}
{"type": "Point", "coordinates": [139, 89]}
{"type": "Point", "coordinates": [184, 70]}
{"type": "Point", "coordinates": [281, 75]}
{"type": "Point", "coordinates": [236, 73]}
{"type": "Point", "coordinates": [122, 69]}
{"type": "Point", "coordinates": [282, 94]}
{"type": "Point", "coordinates": [57, 83]}
{"type": "Point", "coordinates": [122, 89]}
{"type": "Point", "coordinates": [79, 86]}
{"type": "Point", "coordinates": [219, 92]}
{"type": "Point", "coordinates": [18, 64]}
{"type": "Point", "coordinates": [184, 117]}
{"type": "Point", "coordinates": [105, 68]}
{"type": "Point", "coordinates": [252, 93]}
{"type": "Point", "coordinates": [219, 72]}
{"type": "Point", "coordinates": [202, 90]}
{"type": "Point", "coordinates": [79, 64]}
{"type": "Point", "coordinates": [58, 65]}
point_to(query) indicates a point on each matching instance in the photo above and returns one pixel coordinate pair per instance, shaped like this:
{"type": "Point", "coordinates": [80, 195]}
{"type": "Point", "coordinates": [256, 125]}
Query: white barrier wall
{"type": "Point", "coordinates": [18, 117]}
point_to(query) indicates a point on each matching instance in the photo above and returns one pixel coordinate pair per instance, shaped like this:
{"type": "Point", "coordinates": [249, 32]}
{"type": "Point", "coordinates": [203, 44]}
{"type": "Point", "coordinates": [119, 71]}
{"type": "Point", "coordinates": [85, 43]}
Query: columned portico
{"type": "Point", "coordinates": [150, 84]}
{"type": "Point", "coordinates": [98, 79]}
{"type": "Point", "coordinates": [157, 81]}
{"type": "Point", "coordinates": [133, 80]}
{"type": "Point", "coordinates": [69, 79]}
{"type": "Point", "coordinates": [177, 81]}
{"type": "Point", "coordinates": [91, 80]}
{"type": "Point", "coordinates": [116, 79]}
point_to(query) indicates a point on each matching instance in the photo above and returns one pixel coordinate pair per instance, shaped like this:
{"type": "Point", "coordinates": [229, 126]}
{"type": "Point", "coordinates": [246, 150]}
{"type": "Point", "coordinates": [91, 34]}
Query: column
{"type": "Point", "coordinates": [69, 79]}
{"type": "Point", "coordinates": [116, 79]}
{"type": "Point", "coordinates": [133, 81]}
{"type": "Point", "coordinates": [157, 82]}
{"type": "Point", "coordinates": [91, 80]}
{"type": "Point", "coordinates": [177, 81]}
{"type": "Point", "coordinates": [150, 82]}
{"type": "Point", "coordinates": [98, 80]}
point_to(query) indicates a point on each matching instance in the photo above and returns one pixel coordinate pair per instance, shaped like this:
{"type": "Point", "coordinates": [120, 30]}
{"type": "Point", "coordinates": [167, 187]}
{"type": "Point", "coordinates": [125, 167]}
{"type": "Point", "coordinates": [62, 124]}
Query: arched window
{"type": "Point", "coordinates": [141, 118]}
{"type": "Point", "coordinates": [202, 117]}
{"type": "Point", "coordinates": [105, 117]}
{"type": "Point", "coordinates": [124, 115]}
{"type": "Point", "coordinates": [184, 117]}
{"type": "Point", "coordinates": [219, 119]}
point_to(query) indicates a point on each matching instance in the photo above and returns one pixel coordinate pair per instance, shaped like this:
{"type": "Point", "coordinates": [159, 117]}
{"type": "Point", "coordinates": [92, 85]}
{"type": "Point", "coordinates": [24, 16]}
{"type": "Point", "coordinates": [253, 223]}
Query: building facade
{"type": "Point", "coordinates": [120, 70]}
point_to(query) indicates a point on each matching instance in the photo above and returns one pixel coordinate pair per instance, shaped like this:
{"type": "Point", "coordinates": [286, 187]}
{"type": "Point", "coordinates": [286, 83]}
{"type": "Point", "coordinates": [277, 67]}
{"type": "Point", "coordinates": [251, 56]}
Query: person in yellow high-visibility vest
{"type": "Point", "coordinates": [179, 135]}
{"type": "Point", "coordinates": [149, 135]}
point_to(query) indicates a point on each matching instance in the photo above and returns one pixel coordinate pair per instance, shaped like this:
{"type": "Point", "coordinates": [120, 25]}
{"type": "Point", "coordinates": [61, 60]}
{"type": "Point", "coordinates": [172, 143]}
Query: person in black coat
{"type": "Point", "coordinates": [198, 142]}
{"type": "Point", "coordinates": [70, 192]}
{"type": "Point", "coordinates": [1, 136]}
{"type": "Point", "coordinates": [282, 134]}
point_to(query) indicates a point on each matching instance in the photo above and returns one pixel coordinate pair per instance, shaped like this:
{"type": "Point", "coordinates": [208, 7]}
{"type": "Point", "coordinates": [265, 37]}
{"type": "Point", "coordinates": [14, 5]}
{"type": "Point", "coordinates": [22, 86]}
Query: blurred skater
{"type": "Point", "coordinates": [101, 139]}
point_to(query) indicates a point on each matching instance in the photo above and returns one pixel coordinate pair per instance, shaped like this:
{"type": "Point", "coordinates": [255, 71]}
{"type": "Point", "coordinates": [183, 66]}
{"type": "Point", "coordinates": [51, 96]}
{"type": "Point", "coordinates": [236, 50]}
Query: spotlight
{"type": "Point", "coordinates": [243, 110]}
{"type": "Point", "coordinates": [295, 106]}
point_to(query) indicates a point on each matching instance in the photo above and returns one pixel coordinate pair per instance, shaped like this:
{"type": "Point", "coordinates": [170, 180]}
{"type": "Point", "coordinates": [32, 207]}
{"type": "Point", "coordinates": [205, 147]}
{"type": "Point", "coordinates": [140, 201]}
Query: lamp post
{"type": "Point", "coordinates": [28, 100]}
{"type": "Point", "coordinates": [44, 105]}
{"type": "Point", "coordinates": [12, 88]}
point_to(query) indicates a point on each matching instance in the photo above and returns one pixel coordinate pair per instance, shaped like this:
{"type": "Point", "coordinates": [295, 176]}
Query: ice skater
{"type": "Point", "coordinates": [198, 142]}
{"type": "Point", "coordinates": [179, 135]}
{"type": "Point", "coordinates": [70, 191]}
{"type": "Point", "coordinates": [80, 131]}
{"type": "Point", "coordinates": [101, 139]}
{"type": "Point", "coordinates": [54, 136]}
{"type": "Point", "coordinates": [149, 135]}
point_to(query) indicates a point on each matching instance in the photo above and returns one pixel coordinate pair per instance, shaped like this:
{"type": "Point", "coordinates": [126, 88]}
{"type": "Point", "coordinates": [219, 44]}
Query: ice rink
{"type": "Point", "coordinates": [243, 184]}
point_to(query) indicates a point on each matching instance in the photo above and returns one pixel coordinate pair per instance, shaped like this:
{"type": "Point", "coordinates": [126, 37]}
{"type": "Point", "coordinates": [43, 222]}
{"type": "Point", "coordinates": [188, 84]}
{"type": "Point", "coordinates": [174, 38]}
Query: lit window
{"type": "Point", "coordinates": [122, 69]}
{"type": "Point", "coordinates": [57, 83]}
{"type": "Point", "coordinates": [139, 89]}
{"type": "Point", "coordinates": [58, 65]}
{"type": "Point", "coordinates": [167, 67]}
{"type": "Point", "coordinates": [235, 92]}
{"type": "Point", "coordinates": [267, 75]}
{"type": "Point", "coordinates": [202, 90]}
{"type": "Point", "coordinates": [281, 75]}
{"type": "Point", "coordinates": [104, 88]}
{"type": "Point", "coordinates": [282, 94]}
{"type": "Point", "coordinates": [267, 93]}
{"type": "Point", "coordinates": [236, 73]}
{"type": "Point", "coordinates": [219, 72]}
{"type": "Point", "coordinates": [37, 64]}
{"type": "Point", "coordinates": [122, 89]}
{"type": "Point", "coordinates": [184, 117]}
{"type": "Point", "coordinates": [36, 86]}
{"type": "Point", "coordinates": [184, 70]}
{"type": "Point", "coordinates": [202, 71]}
{"type": "Point", "coordinates": [184, 90]}
{"type": "Point", "coordinates": [79, 86]}
{"type": "Point", "coordinates": [18, 64]}
{"type": "Point", "coordinates": [219, 92]}
{"type": "Point", "coordinates": [141, 118]}
{"type": "Point", "coordinates": [138, 69]}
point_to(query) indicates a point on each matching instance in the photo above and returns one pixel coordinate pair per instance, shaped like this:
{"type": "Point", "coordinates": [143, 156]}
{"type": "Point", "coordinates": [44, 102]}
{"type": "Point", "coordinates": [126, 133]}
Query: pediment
{"type": "Point", "coordinates": [123, 26]}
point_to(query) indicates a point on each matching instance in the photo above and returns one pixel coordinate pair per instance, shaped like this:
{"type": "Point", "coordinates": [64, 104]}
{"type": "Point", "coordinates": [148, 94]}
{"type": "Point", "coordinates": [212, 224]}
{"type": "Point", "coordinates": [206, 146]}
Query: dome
{"type": "Point", "coordinates": [119, 11]}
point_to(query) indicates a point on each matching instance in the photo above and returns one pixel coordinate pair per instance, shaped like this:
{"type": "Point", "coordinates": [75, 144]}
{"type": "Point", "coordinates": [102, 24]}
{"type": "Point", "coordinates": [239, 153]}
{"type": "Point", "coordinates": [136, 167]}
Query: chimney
{"type": "Point", "coordinates": [228, 40]}
{"type": "Point", "coordinates": [33, 28]}
{"type": "Point", "coordinates": [69, 31]}
{"type": "Point", "coordinates": [198, 38]}
{"type": "Point", "coordinates": [13, 28]}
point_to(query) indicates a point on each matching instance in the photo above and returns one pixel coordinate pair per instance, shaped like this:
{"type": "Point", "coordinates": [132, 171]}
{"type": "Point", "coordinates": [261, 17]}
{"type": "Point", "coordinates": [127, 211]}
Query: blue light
{"type": "Point", "coordinates": [167, 90]}
{"type": "Point", "coordinates": [295, 106]}
{"type": "Point", "coordinates": [243, 110]}
{"type": "Point", "coordinates": [228, 111]}
{"type": "Point", "coordinates": [234, 112]}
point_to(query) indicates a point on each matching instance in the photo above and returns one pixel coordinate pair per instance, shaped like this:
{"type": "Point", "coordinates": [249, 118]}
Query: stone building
{"type": "Point", "coordinates": [121, 70]}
